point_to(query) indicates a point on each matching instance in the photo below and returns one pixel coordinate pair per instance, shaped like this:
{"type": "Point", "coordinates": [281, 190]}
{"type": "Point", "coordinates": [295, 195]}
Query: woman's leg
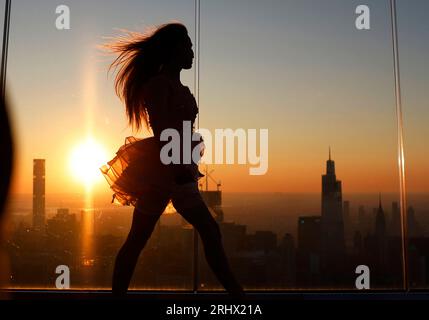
{"type": "Point", "coordinates": [195, 211]}
{"type": "Point", "coordinates": [145, 217]}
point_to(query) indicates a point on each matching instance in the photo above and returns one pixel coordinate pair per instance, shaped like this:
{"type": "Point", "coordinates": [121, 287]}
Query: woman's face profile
{"type": "Point", "coordinates": [185, 54]}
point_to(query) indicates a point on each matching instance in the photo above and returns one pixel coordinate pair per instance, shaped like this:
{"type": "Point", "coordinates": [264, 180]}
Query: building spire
{"type": "Point", "coordinates": [330, 166]}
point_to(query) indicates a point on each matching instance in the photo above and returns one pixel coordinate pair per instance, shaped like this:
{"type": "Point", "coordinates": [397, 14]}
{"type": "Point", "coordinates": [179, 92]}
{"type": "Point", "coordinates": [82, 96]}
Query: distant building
{"type": "Point", "coordinates": [63, 227]}
{"type": "Point", "coordinates": [363, 221]}
{"type": "Point", "coordinates": [38, 193]}
{"type": "Point", "coordinates": [213, 199]}
{"type": "Point", "coordinates": [348, 233]}
{"type": "Point", "coordinates": [357, 243]}
{"type": "Point", "coordinates": [381, 236]}
{"type": "Point", "coordinates": [395, 220]}
{"type": "Point", "coordinates": [309, 229]}
{"type": "Point", "coordinates": [63, 222]}
{"type": "Point", "coordinates": [412, 224]}
{"type": "Point", "coordinates": [233, 235]}
{"type": "Point", "coordinates": [265, 241]}
{"type": "Point", "coordinates": [380, 222]}
{"type": "Point", "coordinates": [308, 251]}
{"type": "Point", "coordinates": [288, 260]}
{"type": "Point", "coordinates": [332, 240]}
{"type": "Point", "coordinates": [346, 213]}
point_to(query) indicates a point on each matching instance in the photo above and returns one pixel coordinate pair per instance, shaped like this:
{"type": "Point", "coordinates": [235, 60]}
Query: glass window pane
{"type": "Point", "coordinates": [414, 50]}
{"type": "Point", "coordinates": [324, 89]}
{"type": "Point", "coordinates": [67, 119]}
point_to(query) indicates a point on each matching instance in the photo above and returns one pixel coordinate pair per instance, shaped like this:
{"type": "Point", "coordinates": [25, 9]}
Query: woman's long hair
{"type": "Point", "coordinates": [140, 57]}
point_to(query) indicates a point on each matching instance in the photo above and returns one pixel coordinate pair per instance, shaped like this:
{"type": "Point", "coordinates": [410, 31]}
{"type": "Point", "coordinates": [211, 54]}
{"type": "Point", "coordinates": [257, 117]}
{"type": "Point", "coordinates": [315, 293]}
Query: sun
{"type": "Point", "coordinates": [85, 161]}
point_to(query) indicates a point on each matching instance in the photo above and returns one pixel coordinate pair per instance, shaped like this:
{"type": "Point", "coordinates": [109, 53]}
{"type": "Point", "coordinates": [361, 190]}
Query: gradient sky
{"type": "Point", "coordinates": [299, 68]}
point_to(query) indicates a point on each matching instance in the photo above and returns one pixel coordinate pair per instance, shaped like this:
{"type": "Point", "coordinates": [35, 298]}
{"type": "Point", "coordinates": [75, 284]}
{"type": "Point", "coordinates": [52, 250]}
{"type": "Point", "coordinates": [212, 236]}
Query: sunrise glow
{"type": "Point", "coordinates": [85, 160]}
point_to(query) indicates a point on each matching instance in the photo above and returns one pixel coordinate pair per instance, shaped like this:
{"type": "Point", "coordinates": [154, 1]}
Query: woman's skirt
{"type": "Point", "coordinates": [137, 169]}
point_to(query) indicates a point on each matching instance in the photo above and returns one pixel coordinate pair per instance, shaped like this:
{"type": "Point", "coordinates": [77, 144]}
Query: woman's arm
{"type": "Point", "coordinates": [157, 95]}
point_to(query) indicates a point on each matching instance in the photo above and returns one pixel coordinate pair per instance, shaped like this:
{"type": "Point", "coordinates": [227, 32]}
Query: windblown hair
{"type": "Point", "coordinates": [140, 56]}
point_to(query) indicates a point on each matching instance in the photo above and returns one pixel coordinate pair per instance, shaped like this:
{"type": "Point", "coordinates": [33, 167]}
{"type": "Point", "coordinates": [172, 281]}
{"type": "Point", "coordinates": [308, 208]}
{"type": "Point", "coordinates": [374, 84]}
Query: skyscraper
{"type": "Point", "coordinates": [362, 221]}
{"type": "Point", "coordinates": [308, 253]}
{"type": "Point", "coordinates": [288, 260]}
{"type": "Point", "coordinates": [346, 212]}
{"type": "Point", "coordinates": [380, 238]}
{"type": "Point", "coordinates": [333, 244]}
{"type": "Point", "coordinates": [395, 220]}
{"type": "Point", "coordinates": [348, 234]}
{"type": "Point", "coordinates": [380, 222]}
{"type": "Point", "coordinates": [309, 234]}
{"type": "Point", "coordinates": [412, 224]}
{"type": "Point", "coordinates": [38, 193]}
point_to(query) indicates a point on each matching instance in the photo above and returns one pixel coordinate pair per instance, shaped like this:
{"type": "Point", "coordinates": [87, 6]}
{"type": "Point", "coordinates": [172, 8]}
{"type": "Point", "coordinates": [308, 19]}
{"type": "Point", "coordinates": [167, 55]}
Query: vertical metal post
{"type": "Point", "coordinates": [6, 141]}
{"type": "Point", "coordinates": [5, 48]}
{"type": "Point", "coordinates": [195, 271]}
{"type": "Point", "coordinates": [402, 190]}
{"type": "Point", "coordinates": [195, 265]}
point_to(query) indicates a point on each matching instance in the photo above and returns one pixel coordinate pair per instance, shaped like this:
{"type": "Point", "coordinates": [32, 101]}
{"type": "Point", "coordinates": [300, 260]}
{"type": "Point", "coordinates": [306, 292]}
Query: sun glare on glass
{"type": "Point", "coordinates": [85, 161]}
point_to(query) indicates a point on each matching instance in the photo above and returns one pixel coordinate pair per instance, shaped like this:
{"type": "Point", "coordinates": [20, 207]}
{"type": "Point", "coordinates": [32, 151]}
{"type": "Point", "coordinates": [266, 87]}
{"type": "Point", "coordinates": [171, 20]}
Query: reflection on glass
{"type": "Point", "coordinates": [413, 28]}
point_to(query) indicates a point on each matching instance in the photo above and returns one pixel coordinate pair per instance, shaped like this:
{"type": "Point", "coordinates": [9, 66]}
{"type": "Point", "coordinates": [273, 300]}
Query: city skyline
{"type": "Point", "coordinates": [302, 259]}
{"type": "Point", "coordinates": [334, 215]}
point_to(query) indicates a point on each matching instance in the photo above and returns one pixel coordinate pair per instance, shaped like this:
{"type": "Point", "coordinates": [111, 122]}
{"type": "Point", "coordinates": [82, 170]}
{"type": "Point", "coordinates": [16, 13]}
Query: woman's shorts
{"type": "Point", "coordinates": [183, 197]}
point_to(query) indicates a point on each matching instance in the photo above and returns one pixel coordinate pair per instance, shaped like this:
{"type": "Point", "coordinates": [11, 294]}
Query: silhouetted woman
{"type": "Point", "coordinates": [148, 81]}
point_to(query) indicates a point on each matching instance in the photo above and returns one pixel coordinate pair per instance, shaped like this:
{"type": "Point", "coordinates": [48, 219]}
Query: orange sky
{"type": "Point", "coordinates": [314, 82]}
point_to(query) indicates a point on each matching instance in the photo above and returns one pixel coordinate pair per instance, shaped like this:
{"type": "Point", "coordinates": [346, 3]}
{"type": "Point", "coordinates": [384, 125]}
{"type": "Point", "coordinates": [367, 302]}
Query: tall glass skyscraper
{"type": "Point", "coordinates": [333, 243]}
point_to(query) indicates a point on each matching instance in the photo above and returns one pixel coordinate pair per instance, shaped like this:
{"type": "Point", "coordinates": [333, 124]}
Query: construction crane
{"type": "Point", "coordinates": [209, 176]}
